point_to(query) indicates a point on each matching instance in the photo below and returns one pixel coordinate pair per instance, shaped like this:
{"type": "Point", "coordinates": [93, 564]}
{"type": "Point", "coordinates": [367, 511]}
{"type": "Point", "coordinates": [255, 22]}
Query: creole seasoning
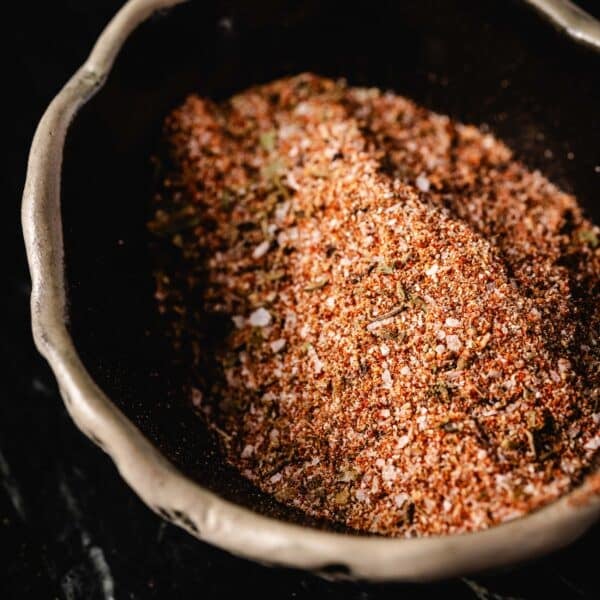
{"type": "Point", "coordinates": [392, 323]}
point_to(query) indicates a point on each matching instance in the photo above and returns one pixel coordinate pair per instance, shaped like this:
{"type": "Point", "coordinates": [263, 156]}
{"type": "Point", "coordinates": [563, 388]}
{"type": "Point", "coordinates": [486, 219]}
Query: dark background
{"type": "Point", "coordinates": [69, 527]}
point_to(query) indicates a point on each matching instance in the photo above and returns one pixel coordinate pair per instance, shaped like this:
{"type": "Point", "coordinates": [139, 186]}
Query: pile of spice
{"type": "Point", "coordinates": [390, 322]}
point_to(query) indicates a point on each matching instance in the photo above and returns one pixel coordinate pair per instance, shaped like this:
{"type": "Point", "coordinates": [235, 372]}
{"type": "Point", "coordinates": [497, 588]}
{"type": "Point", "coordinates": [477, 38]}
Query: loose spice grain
{"type": "Point", "coordinates": [392, 323]}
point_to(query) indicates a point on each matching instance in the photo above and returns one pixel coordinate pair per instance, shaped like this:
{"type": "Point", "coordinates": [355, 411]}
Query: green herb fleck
{"type": "Point", "coordinates": [531, 442]}
{"type": "Point", "coordinates": [531, 419]}
{"type": "Point", "coordinates": [462, 362]}
{"type": "Point", "coordinates": [589, 237]}
{"type": "Point", "coordinates": [267, 140]}
{"type": "Point", "coordinates": [387, 315]}
{"type": "Point", "coordinates": [509, 443]}
{"type": "Point", "coordinates": [177, 222]}
{"type": "Point", "coordinates": [418, 302]}
{"type": "Point", "coordinates": [350, 474]}
{"type": "Point", "coordinates": [385, 269]}
{"type": "Point", "coordinates": [451, 426]}
{"type": "Point", "coordinates": [275, 275]}
{"type": "Point", "coordinates": [400, 292]}
{"type": "Point", "coordinates": [317, 285]}
{"type": "Point", "coordinates": [440, 390]}
{"type": "Point", "coordinates": [273, 170]}
{"type": "Point", "coordinates": [256, 337]}
{"type": "Point", "coordinates": [389, 333]}
{"type": "Point", "coordinates": [272, 173]}
{"type": "Point", "coordinates": [227, 201]}
{"type": "Point", "coordinates": [342, 497]}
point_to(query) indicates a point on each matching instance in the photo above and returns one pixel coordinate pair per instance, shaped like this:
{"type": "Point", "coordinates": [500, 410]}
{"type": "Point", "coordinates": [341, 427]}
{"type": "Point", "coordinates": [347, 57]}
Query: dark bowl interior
{"type": "Point", "coordinates": [481, 62]}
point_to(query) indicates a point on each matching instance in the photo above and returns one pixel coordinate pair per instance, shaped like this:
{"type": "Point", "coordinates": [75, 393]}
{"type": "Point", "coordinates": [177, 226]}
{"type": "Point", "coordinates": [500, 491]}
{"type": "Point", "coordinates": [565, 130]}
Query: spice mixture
{"type": "Point", "coordinates": [392, 323]}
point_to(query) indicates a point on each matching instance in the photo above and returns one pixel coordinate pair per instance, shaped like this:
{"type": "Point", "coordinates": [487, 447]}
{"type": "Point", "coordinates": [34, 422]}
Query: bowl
{"type": "Point", "coordinates": [86, 201]}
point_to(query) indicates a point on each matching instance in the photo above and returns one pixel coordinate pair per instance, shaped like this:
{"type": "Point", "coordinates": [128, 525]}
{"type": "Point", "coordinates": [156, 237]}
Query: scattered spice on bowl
{"type": "Point", "coordinates": [389, 321]}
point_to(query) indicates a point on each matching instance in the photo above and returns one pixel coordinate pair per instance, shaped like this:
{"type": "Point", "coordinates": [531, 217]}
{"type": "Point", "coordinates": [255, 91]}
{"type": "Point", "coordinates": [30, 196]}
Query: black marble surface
{"type": "Point", "coordinates": [69, 526]}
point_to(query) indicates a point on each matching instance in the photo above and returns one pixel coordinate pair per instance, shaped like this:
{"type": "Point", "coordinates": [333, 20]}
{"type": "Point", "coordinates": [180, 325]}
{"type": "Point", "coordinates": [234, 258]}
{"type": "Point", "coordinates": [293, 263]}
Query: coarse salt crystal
{"type": "Point", "coordinates": [422, 182]}
{"type": "Point", "coordinates": [260, 318]}
{"type": "Point", "coordinates": [403, 441]}
{"type": "Point", "coordinates": [247, 451]}
{"type": "Point", "coordinates": [440, 349]}
{"type": "Point", "coordinates": [401, 499]}
{"type": "Point", "coordinates": [432, 270]}
{"type": "Point", "coordinates": [317, 365]}
{"type": "Point", "coordinates": [385, 350]}
{"type": "Point", "coordinates": [290, 319]}
{"type": "Point", "coordinates": [330, 302]}
{"type": "Point", "coordinates": [447, 505]}
{"type": "Point", "coordinates": [430, 504]}
{"type": "Point", "coordinates": [276, 478]}
{"type": "Point", "coordinates": [196, 397]}
{"type": "Point", "coordinates": [277, 345]}
{"type": "Point", "coordinates": [316, 361]}
{"type": "Point", "coordinates": [361, 495]}
{"type": "Point", "coordinates": [377, 324]}
{"type": "Point", "coordinates": [231, 378]}
{"type": "Point", "coordinates": [453, 343]}
{"type": "Point", "coordinates": [387, 379]}
{"type": "Point", "coordinates": [452, 375]}
{"type": "Point", "coordinates": [261, 249]}
{"type": "Point", "coordinates": [384, 413]}
{"type": "Point", "coordinates": [281, 211]}
{"type": "Point", "coordinates": [563, 365]}
{"type": "Point", "coordinates": [292, 181]}
{"type": "Point", "coordinates": [593, 444]}
{"type": "Point", "coordinates": [389, 473]}
{"type": "Point", "coordinates": [375, 485]}
{"type": "Point", "coordinates": [511, 515]}
{"type": "Point", "coordinates": [405, 370]}
{"type": "Point", "coordinates": [268, 397]}
{"type": "Point", "coordinates": [303, 109]}
{"type": "Point", "coordinates": [238, 321]}
{"type": "Point", "coordinates": [452, 322]}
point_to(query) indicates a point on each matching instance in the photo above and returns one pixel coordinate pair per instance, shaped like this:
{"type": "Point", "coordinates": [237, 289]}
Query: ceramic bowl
{"type": "Point", "coordinates": [86, 201]}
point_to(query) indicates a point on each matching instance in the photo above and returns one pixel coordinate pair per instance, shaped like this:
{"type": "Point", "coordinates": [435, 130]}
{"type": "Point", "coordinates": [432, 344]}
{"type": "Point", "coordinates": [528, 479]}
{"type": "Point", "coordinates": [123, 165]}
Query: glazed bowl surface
{"type": "Point", "coordinates": [87, 197]}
